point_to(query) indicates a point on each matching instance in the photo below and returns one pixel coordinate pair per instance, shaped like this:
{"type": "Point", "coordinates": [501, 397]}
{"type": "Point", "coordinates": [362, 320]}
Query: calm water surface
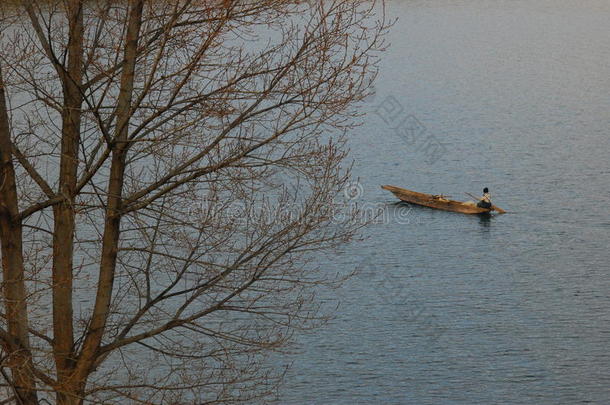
{"type": "Point", "coordinates": [456, 309]}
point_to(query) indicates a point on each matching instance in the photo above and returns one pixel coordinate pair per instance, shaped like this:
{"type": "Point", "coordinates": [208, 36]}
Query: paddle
{"type": "Point", "coordinates": [493, 207]}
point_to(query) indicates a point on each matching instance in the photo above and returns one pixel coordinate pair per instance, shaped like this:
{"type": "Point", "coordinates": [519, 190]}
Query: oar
{"type": "Point", "coordinates": [493, 207]}
{"type": "Point", "coordinates": [471, 196]}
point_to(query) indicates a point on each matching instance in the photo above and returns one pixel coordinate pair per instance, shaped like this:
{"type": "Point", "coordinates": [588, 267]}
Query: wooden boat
{"type": "Point", "coordinates": [438, 201]}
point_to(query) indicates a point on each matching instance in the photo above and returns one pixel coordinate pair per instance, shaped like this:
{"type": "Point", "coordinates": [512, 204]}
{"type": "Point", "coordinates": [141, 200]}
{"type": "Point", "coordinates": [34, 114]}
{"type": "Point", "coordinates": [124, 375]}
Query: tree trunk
{"type": "Point", "coordinates": [112, 224]}
{"type": "Point", "coordinates": [14, 293]}
{"type": "Point", "coordinates": [64, 224]}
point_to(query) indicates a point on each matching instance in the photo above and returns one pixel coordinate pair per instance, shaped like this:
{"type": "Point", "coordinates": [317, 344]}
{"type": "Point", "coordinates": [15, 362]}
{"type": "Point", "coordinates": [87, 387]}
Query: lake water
{"type": "Point", "coordinates": [456, 309]}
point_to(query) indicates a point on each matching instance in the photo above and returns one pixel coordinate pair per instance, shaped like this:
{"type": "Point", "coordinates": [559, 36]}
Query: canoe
{"type": "Point", "coordinates": [438, 201]}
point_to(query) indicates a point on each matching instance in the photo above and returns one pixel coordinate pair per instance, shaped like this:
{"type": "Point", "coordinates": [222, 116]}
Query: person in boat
{"type": "Point", "coordinates": [485, 201]}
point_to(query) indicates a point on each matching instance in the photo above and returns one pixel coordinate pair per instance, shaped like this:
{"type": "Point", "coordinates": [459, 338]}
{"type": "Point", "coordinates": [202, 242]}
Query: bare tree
{"type": "Point", "coordinates": [168, 171]}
